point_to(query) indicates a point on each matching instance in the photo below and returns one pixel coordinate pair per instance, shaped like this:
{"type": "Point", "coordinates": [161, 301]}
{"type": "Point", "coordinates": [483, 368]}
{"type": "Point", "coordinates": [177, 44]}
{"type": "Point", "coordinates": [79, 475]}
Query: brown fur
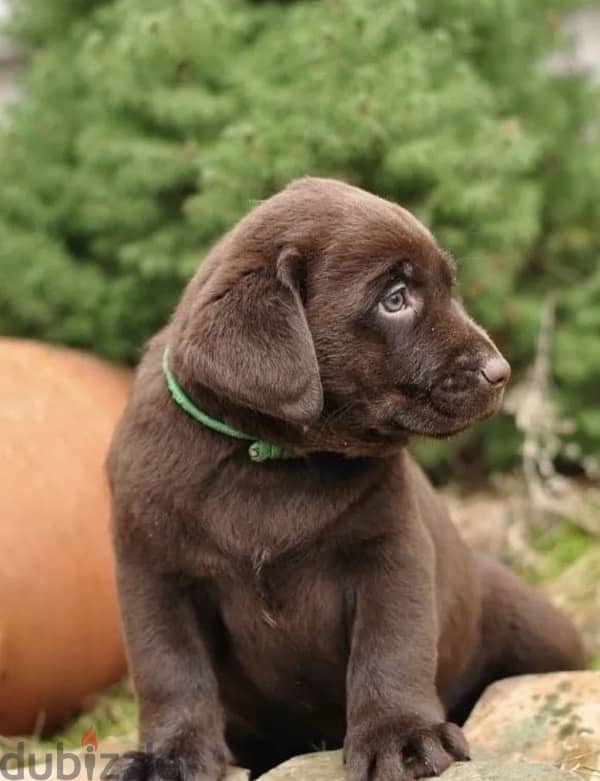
{"type": "Point", "coordinates": [326, 600]}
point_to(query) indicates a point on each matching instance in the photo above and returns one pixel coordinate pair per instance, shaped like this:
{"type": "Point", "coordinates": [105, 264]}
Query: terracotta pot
{"type": "Point", "coordinates": [59, 627]}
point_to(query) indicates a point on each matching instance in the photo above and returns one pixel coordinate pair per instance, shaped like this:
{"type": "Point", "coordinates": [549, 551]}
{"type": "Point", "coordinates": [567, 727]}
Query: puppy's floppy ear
{"type": "Point", "coordinates": [250, 342]}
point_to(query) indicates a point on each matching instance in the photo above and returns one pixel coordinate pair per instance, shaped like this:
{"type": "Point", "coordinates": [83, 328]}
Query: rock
{"type": "Point", "coordinates": [320, 766]}
{"type": "Point", "coordinates": [327, 766]}
{"type": "Point", "coordinates": [552, 718]}
{"type": "Point", "coordinates": [59, 626]}
{"type": "Point", "coordinates": [506, 771]}
{"type": "Point", "coordinates": [577, 591]}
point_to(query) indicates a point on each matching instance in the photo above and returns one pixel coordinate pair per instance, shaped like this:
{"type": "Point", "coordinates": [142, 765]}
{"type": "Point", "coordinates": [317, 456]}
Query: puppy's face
{"type": "Point", "coordinates": [397, 352]}
{"type": "Point", "coordinates": [336, 312]}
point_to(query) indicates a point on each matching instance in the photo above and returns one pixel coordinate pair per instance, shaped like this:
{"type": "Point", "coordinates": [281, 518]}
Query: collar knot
{"type": "Point", "coordinates": [265, 451]}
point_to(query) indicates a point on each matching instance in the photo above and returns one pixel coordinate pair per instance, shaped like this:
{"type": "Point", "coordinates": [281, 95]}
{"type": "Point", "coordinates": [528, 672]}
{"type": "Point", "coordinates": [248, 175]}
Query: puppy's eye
{"type": "Point", "coordinates": [396, 299]}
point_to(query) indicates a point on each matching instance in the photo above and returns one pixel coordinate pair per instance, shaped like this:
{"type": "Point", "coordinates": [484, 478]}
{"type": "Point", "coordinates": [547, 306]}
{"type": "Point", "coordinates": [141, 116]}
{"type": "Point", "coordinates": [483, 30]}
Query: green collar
{"type": "Point", "coordinates": [258, 450]}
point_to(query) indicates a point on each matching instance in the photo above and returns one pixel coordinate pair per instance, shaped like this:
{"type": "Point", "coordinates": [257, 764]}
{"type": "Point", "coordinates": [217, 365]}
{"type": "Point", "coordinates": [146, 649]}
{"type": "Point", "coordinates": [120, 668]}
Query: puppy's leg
{"type": "Point", "coordinates": [396, 728]}
{"type": "Point", "coordinates": [521, 633]}
{"type": "Point", "coordinates": [181, 720]}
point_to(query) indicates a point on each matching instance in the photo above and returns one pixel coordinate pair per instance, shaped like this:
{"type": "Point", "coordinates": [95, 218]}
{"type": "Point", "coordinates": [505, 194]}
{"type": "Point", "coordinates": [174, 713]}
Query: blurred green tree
{"type": "Point", "coordinates": [147, 128]}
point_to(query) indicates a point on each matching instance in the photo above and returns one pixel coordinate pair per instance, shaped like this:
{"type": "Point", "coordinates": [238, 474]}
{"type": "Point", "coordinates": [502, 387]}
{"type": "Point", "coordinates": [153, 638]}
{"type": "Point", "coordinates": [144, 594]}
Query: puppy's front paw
{"type": "Point", "coordinates": [398, 750]}
{"type": "Point", "coordinates": [167, 765]}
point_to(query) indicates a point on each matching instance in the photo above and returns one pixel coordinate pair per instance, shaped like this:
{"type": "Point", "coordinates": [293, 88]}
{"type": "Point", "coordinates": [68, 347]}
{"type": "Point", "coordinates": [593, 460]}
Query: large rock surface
{"type": "Point", "coordinates": [553, 718]}
{"type": "Point", "coordinates": [321, 766]}
{"type": "Point", "coordinates": [327, 766]}
{"type": "Point", "coordinates": [59, 626]}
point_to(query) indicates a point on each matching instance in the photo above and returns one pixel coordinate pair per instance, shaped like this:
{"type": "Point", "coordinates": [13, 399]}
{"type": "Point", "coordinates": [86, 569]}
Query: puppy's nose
{"type": "Point", "coordinates": [496, 371]}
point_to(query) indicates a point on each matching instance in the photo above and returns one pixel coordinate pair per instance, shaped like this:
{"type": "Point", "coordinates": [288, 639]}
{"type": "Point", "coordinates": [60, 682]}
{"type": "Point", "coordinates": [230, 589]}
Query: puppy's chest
{"type": "Point", "coordinates": [269, 555]}
{"type": "Point", "coordinates": [281, 548]}
{"type": "Point", "coordinates": [281, 615]}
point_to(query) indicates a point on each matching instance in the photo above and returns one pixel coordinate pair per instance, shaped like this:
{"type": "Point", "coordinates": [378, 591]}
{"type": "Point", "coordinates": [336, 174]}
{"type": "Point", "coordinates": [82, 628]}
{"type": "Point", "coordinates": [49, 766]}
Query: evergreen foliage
{"type": "Point", "coordinates": [146, 129]}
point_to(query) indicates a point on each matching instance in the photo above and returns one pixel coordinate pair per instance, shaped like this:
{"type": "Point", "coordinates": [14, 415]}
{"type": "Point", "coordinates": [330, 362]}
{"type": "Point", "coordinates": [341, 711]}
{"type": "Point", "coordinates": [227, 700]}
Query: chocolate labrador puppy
{"type": "Point", "coordinates": [288, 578]}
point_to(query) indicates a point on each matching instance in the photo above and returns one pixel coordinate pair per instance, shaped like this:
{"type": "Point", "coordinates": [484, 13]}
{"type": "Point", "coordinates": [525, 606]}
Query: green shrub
{"type": "Point", "coordinates": [147, 128]}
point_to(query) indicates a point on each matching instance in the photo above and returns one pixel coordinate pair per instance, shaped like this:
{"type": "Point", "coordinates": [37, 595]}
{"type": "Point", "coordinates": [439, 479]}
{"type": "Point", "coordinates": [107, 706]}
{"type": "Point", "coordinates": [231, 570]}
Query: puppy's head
{"type": "Point", "coordinates": [335, 313]}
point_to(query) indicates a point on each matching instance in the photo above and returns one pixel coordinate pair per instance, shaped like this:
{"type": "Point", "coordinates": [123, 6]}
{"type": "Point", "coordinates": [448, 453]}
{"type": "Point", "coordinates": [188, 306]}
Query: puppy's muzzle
{"type": "Point", "coordinates": [473, 386]}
